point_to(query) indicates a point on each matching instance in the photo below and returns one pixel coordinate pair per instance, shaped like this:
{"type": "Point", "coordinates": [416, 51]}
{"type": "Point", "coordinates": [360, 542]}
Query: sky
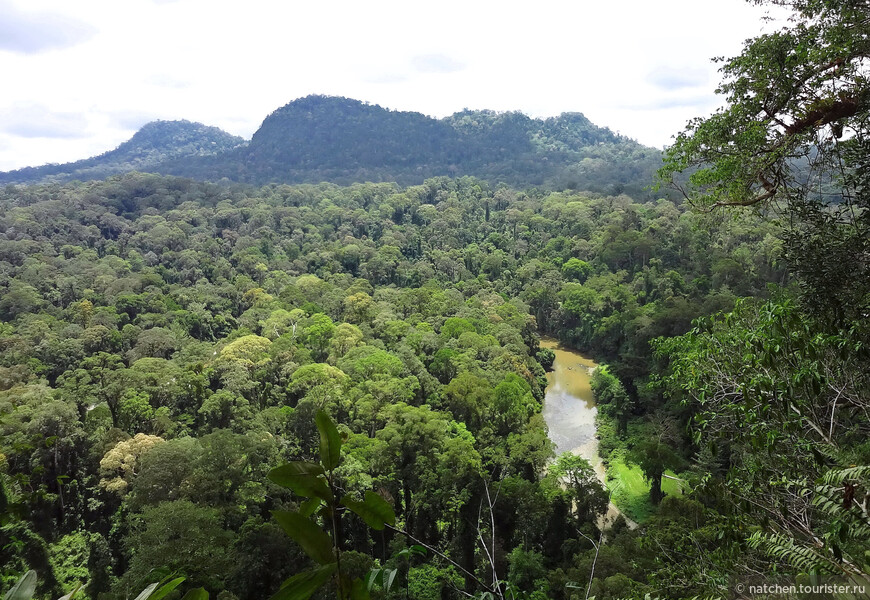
{"type": "Point", "coordinates": [79, 78]}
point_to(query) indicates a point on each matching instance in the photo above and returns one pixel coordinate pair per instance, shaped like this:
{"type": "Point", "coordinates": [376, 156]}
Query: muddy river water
{"type": "Point", "coordinates": [569, 410]}
{"type": "Point", "coordinates": [569, 404]}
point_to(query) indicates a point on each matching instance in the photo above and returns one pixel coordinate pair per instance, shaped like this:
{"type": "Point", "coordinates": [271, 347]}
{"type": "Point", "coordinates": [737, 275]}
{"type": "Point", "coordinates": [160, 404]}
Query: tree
{"type": "Point", "coordinates": [135, 412]}
{"type": "Point", "coordinates": [183, 537]}
{"type": "Point", "coordinates": [248, 351]}
{"type": "Point", "coordinates": [18, 299]}
{"type": "Point", "coordinates": [280, 321]}
{"type": "Point", "coordinates": [155, 342]}
{"type": "Point", "coordinates": [468, 398]}
{"type": "Point", "coordinates": [654, 456]}
{"type": "Point", "coordinates": [795, 134]}
{"type": "Point", "coordinates": [318, 333]}
{"type": "Point", "coordinates": [612, 397]}
{"type": "Point", "coordinates": [121, 463]}
{"type": "Point", "coordinates": [164, 472]}
{"type": "Point", "coordinates": [791, 94]}
{"type": "Point", "coordinates": [512, 404]}
{"type": "Point", "coordinates": [359, 308]}
{"type": "Point", "coordinates": [241, 361]}
{"type": "Point", "coordinates": [345, 337]}
{"type": "Point", "coordinates": [588, 498]}
{"type": "Point", "coordinates": [576, 269]}
{"type": "Point", "coordinates": [224, 409]}
{"type": "Point", "coordinates": [785, 406]}
{"type": "Point", "coordinates": [414, 440]}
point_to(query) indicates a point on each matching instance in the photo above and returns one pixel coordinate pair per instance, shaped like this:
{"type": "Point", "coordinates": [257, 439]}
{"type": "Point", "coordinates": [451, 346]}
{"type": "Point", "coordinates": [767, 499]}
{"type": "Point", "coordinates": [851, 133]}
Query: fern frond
{"type": "Point", "coordinates": [785, 549]}
{"type": "Point", "coordinates": [838, 476]}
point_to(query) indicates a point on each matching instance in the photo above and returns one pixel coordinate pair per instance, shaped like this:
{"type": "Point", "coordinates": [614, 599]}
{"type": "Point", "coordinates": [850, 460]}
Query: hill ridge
{"type": "Point", "coordinates": [342, 140]}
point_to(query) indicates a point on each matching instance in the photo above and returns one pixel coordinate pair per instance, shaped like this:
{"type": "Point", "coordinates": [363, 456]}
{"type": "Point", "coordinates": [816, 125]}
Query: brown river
{"type": "Point", "coordinates": [569, 409]}
{"type": "Point", "coordinates": [569, 404]}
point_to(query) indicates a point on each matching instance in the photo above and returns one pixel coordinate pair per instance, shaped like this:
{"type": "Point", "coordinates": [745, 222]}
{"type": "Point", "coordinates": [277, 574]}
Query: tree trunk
{"type": "Point", "coordinates": [655, 489]}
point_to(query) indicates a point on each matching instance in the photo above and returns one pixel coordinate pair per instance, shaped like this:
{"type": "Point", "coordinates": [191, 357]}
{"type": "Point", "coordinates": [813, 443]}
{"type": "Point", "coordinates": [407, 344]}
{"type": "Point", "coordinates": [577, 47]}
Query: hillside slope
{"type": "Point", "coordinates": [322, 138]}
{"type": "Point", "coordinates": [156, 143]}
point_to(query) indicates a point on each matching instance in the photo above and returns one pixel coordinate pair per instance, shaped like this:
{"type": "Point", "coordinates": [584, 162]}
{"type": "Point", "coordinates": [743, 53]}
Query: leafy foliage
{"type": "Point", "coordinates": [316, 481]}
{"type": "Point", "coordinates": [221, 320]}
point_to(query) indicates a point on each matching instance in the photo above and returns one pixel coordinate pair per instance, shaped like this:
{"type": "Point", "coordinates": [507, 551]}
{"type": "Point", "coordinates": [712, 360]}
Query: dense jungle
{"type": "Point", "coordinates": [260, 386]}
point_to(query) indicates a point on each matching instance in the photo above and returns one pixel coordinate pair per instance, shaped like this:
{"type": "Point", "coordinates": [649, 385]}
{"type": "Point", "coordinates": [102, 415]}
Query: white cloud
{"type": "Point", "coordinates": [674, 78]}
{"type": "Point", "coordinates": [31, 32]}
{"type": "Point", "coordinates": [436, 63]}
{"type": "Point", "coordinates": [36, 121]}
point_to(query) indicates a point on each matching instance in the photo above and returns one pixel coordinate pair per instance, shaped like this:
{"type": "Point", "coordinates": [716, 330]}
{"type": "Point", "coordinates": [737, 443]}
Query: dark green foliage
{"type": "Point", "coordinates": [613, 399]}
{"type": "Point", "coordinates": [778, 389]}
{"type": "Point", "coordinates": [545, 356]}
{"type": "Point", "coordinates": [182, 536]}
{"type": "Point", "coordinates": [325, 548]}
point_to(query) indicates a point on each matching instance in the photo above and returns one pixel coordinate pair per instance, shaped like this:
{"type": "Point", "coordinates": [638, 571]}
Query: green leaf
{"type": "Point", "coordinates": [389, 577]}
{"type": "Point", "coordinates": [301, 586]}
{"type": "Point", "coordinates": [415, 549]}
{"type": "Point", "coordinates": [146, 593]}
{"type": "Point", "coordinates": [313, 540]}
{"type": "Point", "coordinates": [307, 509]}
{"type": "Point", "coordinates": [23, 588]}
{"type": "Point", "coordinates": [358, 590]}
{"type": "Point", "coordinates": [374, 510]}
{"type": "Point", "coordinates": [374, 576]}
{"type": "Point", "coordinates": [166, 588]}
{"type": "Point", "coordinates": [304, 478]}
{"type": "Point", "coordinates": [330, 441]}
{"type": "Point", "coordinates": [72, 593]}
{"type": "Point", "coordinates": [381, 577]}
{"type": "Point", "coordinates": [196, 594]}
{"type": "Point", "coordinates": [302, 467]}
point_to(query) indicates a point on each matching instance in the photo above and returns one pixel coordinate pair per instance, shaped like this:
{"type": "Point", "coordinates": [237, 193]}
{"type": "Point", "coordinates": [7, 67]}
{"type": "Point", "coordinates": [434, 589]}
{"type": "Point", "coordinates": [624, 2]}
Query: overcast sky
{"type": "Point", "coordinates": [79, 78]}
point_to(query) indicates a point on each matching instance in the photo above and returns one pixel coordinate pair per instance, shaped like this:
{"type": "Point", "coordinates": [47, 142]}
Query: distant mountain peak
{"type": "Point", "coordinates": [178, 138]}
{"type": "Point", "coordinates": [154, 144]}
{"type": "Point", "coordinates": [332, 138]}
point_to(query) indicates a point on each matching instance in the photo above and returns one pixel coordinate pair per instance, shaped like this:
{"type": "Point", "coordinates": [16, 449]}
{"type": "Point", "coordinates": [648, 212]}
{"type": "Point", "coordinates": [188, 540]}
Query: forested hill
{"type": "Point", "coordinates": [153, 145]}
{"type": "Point", "coordinates": [340, 140]}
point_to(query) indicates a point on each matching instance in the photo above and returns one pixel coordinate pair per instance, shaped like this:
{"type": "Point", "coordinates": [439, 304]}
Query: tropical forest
{"type": "Point", "coordinates": [374, 355]}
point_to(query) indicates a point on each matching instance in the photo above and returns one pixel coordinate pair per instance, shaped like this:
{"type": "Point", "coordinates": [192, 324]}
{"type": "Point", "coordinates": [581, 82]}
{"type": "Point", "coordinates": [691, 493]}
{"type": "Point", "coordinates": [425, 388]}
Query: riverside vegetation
{"type": "Point", "coordinates": [191, 371]}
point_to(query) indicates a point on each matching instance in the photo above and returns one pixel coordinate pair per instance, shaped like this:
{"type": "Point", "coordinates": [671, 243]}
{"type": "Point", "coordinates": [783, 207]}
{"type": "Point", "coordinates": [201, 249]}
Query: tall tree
{"type": "Point", "coordinates": [779, 382]}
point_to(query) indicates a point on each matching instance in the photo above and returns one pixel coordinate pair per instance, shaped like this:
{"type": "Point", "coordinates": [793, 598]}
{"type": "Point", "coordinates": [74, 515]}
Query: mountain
{"type": "Point", "coordinates": [323, 138]}
{"type": "Point", "coordinates": [156, 143]}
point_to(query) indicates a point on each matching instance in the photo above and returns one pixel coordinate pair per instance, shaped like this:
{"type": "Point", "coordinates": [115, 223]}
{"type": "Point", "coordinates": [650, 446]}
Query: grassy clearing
{"type": "Point", "coordinates": [674, 487]}
{"type": "Point", "coordinates": [630, 492]}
